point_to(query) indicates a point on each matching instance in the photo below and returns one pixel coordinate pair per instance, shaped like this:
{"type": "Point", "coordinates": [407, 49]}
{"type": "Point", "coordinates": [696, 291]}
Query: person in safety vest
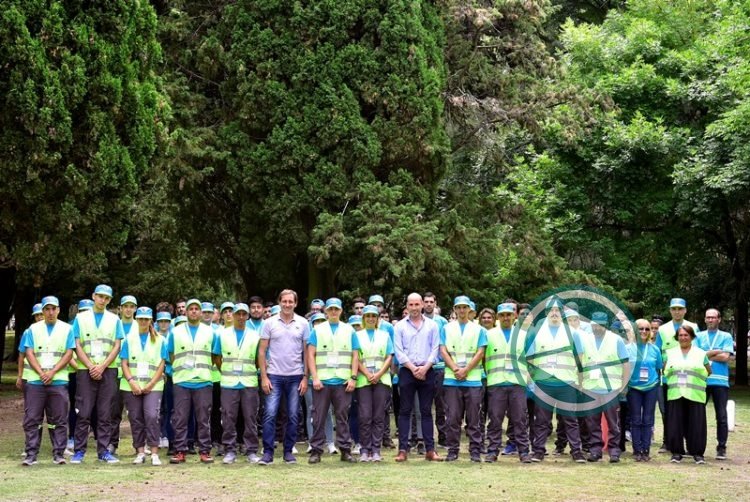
{"type": "Point", "coordinates": [128, 305]}
{"type": "Point", "coordinates": [665, 340]}
{"type": "Point", "coordinates": [373, 383]}
{"type": "Point", "coordinates": [605, 367]}
{"type": "Point", "coordinates": [553, 364]}
{"type": "Point", "coordinates": [686, 368]}
{"type": "Point", "coordinates": [719, 346]}
{"type": "Point", "coordinates": [332, 358]}
{"type": "Point", "coordinates": [48, 348]}
{"type": "Point", "coordinates": [98, 334]}
{"type": "Point", "coordinates": [643, 388]}
{"type": "Point", "coordinates": [143, 356]}
{"type": "Point", "coordinates": [235, 353]}
{"type": "Point", "coordinates": [505, 365]}
{"type": "Point", "coordinates": [24, 368]}
{"type": "Point", "coordinates": [462, 346]}
{"type": "Point", "coordinates": [189, 348]}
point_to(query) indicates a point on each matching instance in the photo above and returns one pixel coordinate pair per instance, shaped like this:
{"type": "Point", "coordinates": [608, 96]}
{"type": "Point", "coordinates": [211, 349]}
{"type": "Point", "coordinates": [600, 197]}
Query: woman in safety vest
{"type": "Point", "coordinates": [643, 389]}
{"type": "Point", "coordinates": [373, 383]}
{"type": "Point", "coordinates": [143, 356]}
{"type": "Point", "coordinates": [686, 370]}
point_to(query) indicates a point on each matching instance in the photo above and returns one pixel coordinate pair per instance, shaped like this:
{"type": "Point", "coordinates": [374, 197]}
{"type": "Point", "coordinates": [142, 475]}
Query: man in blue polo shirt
{"type": "Point", "coordinates": [462, 345]}
{"type": "Point", "coordinates": [719, 346]}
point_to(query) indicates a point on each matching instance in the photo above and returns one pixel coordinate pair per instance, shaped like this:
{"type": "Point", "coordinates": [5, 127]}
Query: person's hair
{"type": "Point", "coordinates": [165, 307]}
{"type": "Point", "coordinates": [511, 300]}
{"type": "Point", "coordinates": [686, 327]}
{"type": "Point", "coordinates": [429, 294]}
{"type": "Point", "coordinates": [285, 292]}
{"type": "Point", "coordinates": [255, 299]}
{"type": "Point", "coordinates": [487, 311]}
{"type": "Point", "coordinates": [658, 318]}
{"type": "Point", "coordinates": [522, 306]}
{"type": "Point", "coordinates": [152, 331]}
{"type": "Point", "coordinates": [268, 304]}
{"type": "Point", "coordinates": [359, 299]}
{"type": "Point", "coordinates": [180, 300]}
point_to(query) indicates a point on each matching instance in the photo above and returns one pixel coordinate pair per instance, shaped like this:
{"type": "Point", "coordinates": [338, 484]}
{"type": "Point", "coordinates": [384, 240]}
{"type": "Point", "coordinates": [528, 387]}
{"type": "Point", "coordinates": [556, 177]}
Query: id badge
{"type": "Point", "coordinates": [643, 375]}
{"type": "Point", "coordinates": [552, 359]}
{"type": "Point", "coordinates": [596, 374]}
{"type": "Point", "coordinates": [47, 361]}
{"type": "Point", "coordinates": [189, 362]}
{"type": "Point", "coordinates": [97, 348]}
{"type": "Point", "coordinates": [141, 369]}
{"type": "Point", "coordinates": [461, 360]}
{"type": "Point", "coordinates": [508, 364]}
{"type": "Point", "coordinates": [682, 379]}
{"type": "Point", "coordinates": [332, 361]}
{"type": "Point", "coordinates": [237, 367]}
{"type": "Point", "coordinates": [370, 365]}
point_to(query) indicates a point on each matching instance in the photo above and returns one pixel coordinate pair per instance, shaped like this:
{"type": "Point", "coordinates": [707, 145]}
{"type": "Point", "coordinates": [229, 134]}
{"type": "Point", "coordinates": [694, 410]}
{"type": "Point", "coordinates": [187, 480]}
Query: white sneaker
{"type": "Point", "coordinates": [68, 452]}
{"type": "Point", "coordinates": [140, 458]}
{"type": "Point", "coordinates": [163, 443]}
{"type": "Point", "coordinates": [309, 448]}
{"type": "Point", "coordinates": [253, 458]}
{"type": "Point", "coordinates": [294, 450]}
{"type": "Point", "coordinates": [155, 460]}
{"type": "Point", "coordinates": [332, 449]}
{"type": "Point", "coordinates": [364, 457]}
{"type": "Point", "coordinates": [356, 449]}
{"type": "Point", "coordinates": [71, 445]}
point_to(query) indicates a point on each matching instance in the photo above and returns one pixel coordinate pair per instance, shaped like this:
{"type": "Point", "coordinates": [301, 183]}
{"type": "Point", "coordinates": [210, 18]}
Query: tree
{"type": "Point", "coordinates": [80, 122]}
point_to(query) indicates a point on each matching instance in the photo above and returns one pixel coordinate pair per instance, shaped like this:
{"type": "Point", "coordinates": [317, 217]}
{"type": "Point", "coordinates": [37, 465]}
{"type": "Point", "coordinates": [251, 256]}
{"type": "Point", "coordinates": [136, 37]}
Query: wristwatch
{"type": "Point", "coordinates": [354, 377]}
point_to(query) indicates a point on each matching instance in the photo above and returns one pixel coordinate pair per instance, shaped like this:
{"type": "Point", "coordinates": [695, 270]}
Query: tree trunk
{"type": "Point", "coordinates": [25, 300]}
{"type": "Point", "coordinates": [7, 294]}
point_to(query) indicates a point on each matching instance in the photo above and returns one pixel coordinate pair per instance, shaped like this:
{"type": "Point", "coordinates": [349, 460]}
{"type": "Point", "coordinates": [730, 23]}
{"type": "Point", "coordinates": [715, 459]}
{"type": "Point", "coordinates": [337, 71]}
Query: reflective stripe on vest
{"type": "Point", "coordinates": [192, 358]}
{"type": "Point", "coordinates": [137, 355]}
{"type": "Point", "coordinates": [504, 364]}
{"type": "Point", "coordinates": [602, 368]}
{"type": "Point", "coordinates": [53, 345]}
{"type": "Point", "coordinates": [373, 355]}
{"type": "Point", "coordinates": [686, 375]}
{"type": "Point", "coordinates": [463, 348]}
{"type": "Point", "coordinates": [238, 362]}
{"type": "Point", "coordinates": [553, 356]}
{"type": "Point", "coordinates": [333, 353]}
{"type": "Point", "coordinates": [91, 335]}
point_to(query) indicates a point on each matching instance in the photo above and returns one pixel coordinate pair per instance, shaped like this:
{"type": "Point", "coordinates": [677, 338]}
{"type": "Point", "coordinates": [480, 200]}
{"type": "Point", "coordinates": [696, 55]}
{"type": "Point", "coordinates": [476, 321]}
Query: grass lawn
{"type": "Point", "coordinates": [554, 479]}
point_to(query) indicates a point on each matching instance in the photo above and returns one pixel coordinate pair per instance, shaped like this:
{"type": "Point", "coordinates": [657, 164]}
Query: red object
{"type": "Point", "coordinates": [605, 432]}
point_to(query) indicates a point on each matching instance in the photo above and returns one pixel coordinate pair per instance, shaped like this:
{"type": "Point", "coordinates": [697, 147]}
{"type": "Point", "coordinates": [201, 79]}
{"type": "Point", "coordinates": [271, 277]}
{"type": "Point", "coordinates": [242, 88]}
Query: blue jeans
{"type": "Point", "coordinates": [642, 406]}
{"type": "Point", "coordinates": [284, 387]}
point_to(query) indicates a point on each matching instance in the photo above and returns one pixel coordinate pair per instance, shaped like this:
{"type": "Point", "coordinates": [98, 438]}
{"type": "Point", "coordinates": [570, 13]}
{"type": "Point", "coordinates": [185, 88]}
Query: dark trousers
{"type": "Point", "coordinates": [425, 389]}
{"type": "Point", "coordinates": [372, 400]}
{"type": "Point", "coordinates": [543, 421]}
{"type": "Point", "coordinates": [510, 400]}
{"type": "Point", "coordinates": [216, 431]}
{"type": "Point", "coordinates": [336, 396]}
{"type": "Point", "coordinates": [594, 425]}
{"type": "Point", "coordinates": [686, 424]}
{"type": "Point", "coordinates": [167, 405]}
{"type": "Point", "coordinates": [244, 402]}
{"type": "Point", "coordinates": [72, 380]}
{"type": "Point", "coordinates": [354, 418]}
{"type": "Point", "coordinates": [624, 423]}
{"type": "Point", "coordinates": [104, 395]}
{"type": "Point", "coordinates": [720, 397]}
{"type": "Point", "coordinates": [52, 401]}
{"type": "Point", "coordinates": [117, 419]}
{"type": "Point", "coordinates": [143, 414]}
{"type": "Point", "coordinates": [463, 403]}
{"type": "Point", "coordinates": [201, 400]}
{"type": "Point", "coordinates": [642, 405]}
{"type": "Point", "coordinates": [284, 388]}
{"type": "Point", "coordinates": [661, 399]}
{"type": "Point", "coordinates": [440, 405]}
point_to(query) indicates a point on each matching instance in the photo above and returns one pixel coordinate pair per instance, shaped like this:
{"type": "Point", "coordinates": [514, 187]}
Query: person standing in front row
{"type": "Point", "coordinates": [417, 342]}
{"type": "Point", "coordinates": [48, 348]}
{"type": "Point", "coordinates": [462, 345]}
{"type": "Point", "coordinates": [281, 358]}
{"type": "Point", "coordinates": [98, 334]}
{"type": "Point", "coordinates": [189, 348]}
{"type": "Point", "coordinates": [332, 359]}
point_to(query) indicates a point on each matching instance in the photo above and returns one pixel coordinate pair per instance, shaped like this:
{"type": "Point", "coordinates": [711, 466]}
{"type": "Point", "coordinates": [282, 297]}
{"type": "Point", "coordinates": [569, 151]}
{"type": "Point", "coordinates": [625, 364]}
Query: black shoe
{"type": "Point", "coordinates": [721, 453]}
{"type": "Point", "coordinates": [475, 457]}
{"type": "Point", "coordinates": [525, 458]}
{"type": "Point", "coordinates": [451, 457]}
{"type": "Point", "coordinates": [388, 443]}
{"type": "Point", "coordinates": [613, 459]}
{"type": "Point", "coordinates": [191, 449]}
{"type": "Point", "coordinates": [314, 458]}
{"type": "Point", "coordinates": [559, 452]}
{"type": "Point", "coordinates": [490, 458]}
{"type": "Point", "coordinates": [346, 455]}
{"type": "Point", "coordinates": [699, 459]}
{"type": "Point", "coordinates": [676, 459]}
{"type": "Point", "coordinates": [592, 458]}
{"type": "Point", "coordinates": [537, 457]}
{"type": "Point", "coordinates": [638, 457]}
{"type": "Point", "coordinates": [579, 458]}
{"type": "Point", "coordinates": [420, 448]}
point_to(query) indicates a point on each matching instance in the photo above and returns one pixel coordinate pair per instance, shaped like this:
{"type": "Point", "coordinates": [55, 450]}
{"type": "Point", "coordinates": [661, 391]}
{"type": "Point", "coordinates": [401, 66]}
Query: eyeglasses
{"type": "Point", "coordinates": [644, 329]}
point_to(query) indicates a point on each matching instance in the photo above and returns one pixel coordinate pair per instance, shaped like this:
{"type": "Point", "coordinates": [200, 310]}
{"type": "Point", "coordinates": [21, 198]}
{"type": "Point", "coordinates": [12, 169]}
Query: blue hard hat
{"type": "Point", "coordinates": [144, 313]}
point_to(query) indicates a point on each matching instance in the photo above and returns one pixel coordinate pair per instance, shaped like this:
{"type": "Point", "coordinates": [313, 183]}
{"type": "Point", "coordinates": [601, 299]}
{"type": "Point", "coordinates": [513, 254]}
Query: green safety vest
{"type": "Point", "coordinates": [143, 361]}
{"type": "Point", "coordinates": [373, 355]}
{"type": "Point", "coordinates": [48, 349]}
{"type": "Point", "coordinates": [502, 363]}
{"type": "Point", "coordinates": [333, 353]}
{"type": "Point", "coordinates": [238, 361]}
{"type": "Point", "coordinates": [133, 328]}
{"type": "Point", "coordinates": [192, 358]}
{"type": "Point", "coordinates": [553, 356]}
{"type": "Point", "coordinates": [602, 368]}
{"type": "Point", "coordinates": [666, 333]}
{"type": "Point", "coordinates": [686, 374]}
{"type": "Point", "coordinates": [104, 336]}
{"type": "Point", "coordinates": [463, 348]}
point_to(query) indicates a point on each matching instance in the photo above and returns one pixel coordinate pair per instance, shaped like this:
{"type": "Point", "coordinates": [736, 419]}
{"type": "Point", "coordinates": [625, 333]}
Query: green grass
{"type": "Point", "coordinates": [554, 479]}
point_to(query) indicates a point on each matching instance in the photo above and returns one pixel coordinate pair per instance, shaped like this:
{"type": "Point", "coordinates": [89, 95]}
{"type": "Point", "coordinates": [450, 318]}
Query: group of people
{"type": "Point", "coordinates": [231, 385]}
